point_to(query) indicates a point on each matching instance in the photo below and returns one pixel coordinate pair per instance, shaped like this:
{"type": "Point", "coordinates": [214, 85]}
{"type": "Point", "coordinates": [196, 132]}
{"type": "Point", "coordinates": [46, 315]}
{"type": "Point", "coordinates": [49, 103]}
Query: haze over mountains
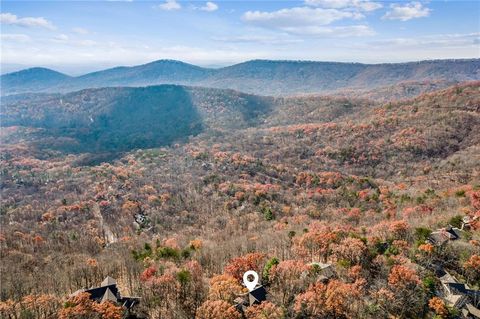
{"type": "Point", "coordinates": [262, 77]}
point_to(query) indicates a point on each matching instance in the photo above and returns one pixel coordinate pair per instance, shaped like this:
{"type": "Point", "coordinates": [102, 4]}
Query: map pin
{"type": "Point", "coordinates": [250, 284]}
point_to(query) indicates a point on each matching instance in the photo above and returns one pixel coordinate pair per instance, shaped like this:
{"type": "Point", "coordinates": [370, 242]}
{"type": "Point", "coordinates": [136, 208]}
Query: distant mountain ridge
{"type": "Point", "coordinates": [157, 72]}
{"type": "Point", "coordinates": [33, 80]}
{"type": "Point", "coordinates": [265, 77]}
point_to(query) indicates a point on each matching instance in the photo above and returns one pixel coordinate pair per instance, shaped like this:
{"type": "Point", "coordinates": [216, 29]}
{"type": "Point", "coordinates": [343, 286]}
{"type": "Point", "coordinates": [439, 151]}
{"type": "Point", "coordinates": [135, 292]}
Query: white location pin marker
{"type": "Point", "coordinates": [250, 284]}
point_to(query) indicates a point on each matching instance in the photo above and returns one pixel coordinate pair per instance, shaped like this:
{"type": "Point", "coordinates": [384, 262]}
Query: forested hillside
{"type": "Point", "coordinates": [227, 182]}
{"type": "Point", "coordinates": [121, 119]}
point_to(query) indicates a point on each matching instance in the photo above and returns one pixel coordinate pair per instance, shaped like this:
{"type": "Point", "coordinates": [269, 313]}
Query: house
{"type": "Point", "coordinates": [140, 218]}
{"type": "Point", "coordinates": [460, 296]}
{"type": "Point", "coordinates": [254, 297]}
{"type": "Point", "coordinates": [454, 292]}
{"type": "Point", "coordinates": [443, 235]}
{"type": "Point", "coordinates": [325, 271]}
{"type": "Point", "coordinates": [108, 291]}
{"type": "Point", "coordinates": [141, 221]}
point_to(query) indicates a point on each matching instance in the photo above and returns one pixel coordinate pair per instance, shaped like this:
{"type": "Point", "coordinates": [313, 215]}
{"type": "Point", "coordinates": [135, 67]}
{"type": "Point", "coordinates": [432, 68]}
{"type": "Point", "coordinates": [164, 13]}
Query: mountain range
{"type": "Point", "coordinates": [264, 77]}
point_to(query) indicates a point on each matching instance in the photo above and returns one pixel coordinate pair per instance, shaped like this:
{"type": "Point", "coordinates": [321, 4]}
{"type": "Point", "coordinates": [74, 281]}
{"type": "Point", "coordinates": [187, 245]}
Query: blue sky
{"type": "Point", "coordinates": [81, 36]}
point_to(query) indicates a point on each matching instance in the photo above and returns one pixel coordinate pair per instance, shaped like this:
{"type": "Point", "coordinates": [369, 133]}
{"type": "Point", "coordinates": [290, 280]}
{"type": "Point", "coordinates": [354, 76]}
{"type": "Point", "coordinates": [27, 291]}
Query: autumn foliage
{"type": "Point", "coordinates": [217, 309]}
{"type": "Point", "coordinates": [265, 310]}
{"type": "Point", "coordinates": [239, 265]}
{"type": "Point", "coordinates": [438, 306]}
{"type": "Point", "coordinates": [81, 306]}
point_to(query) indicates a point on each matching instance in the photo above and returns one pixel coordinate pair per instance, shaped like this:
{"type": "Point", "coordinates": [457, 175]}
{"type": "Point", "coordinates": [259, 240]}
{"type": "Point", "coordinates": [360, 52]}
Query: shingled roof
{"type": "Point", "coordinates": [254, 297]}
{"type": "Point", "coordinates": [108, 281]}
{"type": "Point", "coordinates": [443, 235]}
{"type": "Point", "coordinates": [257, 295]}
{"type": "Point", "coordinates": [109, 296]}
{"type": "Point", "coordinates": [459, 295]}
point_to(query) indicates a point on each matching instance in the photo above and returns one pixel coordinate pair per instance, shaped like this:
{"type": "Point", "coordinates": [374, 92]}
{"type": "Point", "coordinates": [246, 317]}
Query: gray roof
{"type": "Point", "coordinates": [108, 281]}
{"type": "Point", "coordinates": [257, 295]}
{"type": "Point", "coordinates": [108, 291]}
{"type": "Point", "coordinates": [473, 310]}
{"type": "Point", "coordinates": [109, 296]}
{"type": "Point", "coordinates": [447, 278]}
{"type": "Point", "coordinates": [320, 264]}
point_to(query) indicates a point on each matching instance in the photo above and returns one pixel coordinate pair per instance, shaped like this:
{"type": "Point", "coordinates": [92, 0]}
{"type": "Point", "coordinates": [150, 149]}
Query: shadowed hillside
{"type": "Point", "coordinates": [120, 119]}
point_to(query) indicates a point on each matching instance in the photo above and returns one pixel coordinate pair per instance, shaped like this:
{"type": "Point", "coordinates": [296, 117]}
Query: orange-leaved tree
{"type": "Point", "coordinates": [217, 309]}
{"type": "Point", "coordinates": [405, 285]}
{"type": "Point", "coordinates": [239, 265]}
{"type": "Point", "coordinates": [82, 307]}
{"type": "Point", "coordinates": [334, 300]}
{"type": "Point", "coordinates": [224, 287]}
{"type": "Point", "coordinates": [438, 306]}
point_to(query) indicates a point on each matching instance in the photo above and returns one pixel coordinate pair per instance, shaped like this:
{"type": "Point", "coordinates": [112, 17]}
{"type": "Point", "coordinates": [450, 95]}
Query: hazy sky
{"type": "Point", "coordinates": [81, 36]}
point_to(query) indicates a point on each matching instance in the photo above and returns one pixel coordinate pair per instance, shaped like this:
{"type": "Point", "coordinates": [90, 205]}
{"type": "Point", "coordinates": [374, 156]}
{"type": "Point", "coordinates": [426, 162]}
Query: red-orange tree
{"type": "Point", "coordinates": [239, 265]}
{"type": "Point", "coordinates": [334, 300]}
{"type": "Point", "coordinates": [405, 285]}
{"type": "Point", "coordinates": [315, 245]}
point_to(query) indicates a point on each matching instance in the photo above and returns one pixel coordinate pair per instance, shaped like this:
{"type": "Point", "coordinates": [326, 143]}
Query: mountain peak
{"type": "Point", "coordinates": [35, 71]}
{"type": "Point", "coordinates": [36, 79]}
{"type": "Point", "coordinates": [169, 62]}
